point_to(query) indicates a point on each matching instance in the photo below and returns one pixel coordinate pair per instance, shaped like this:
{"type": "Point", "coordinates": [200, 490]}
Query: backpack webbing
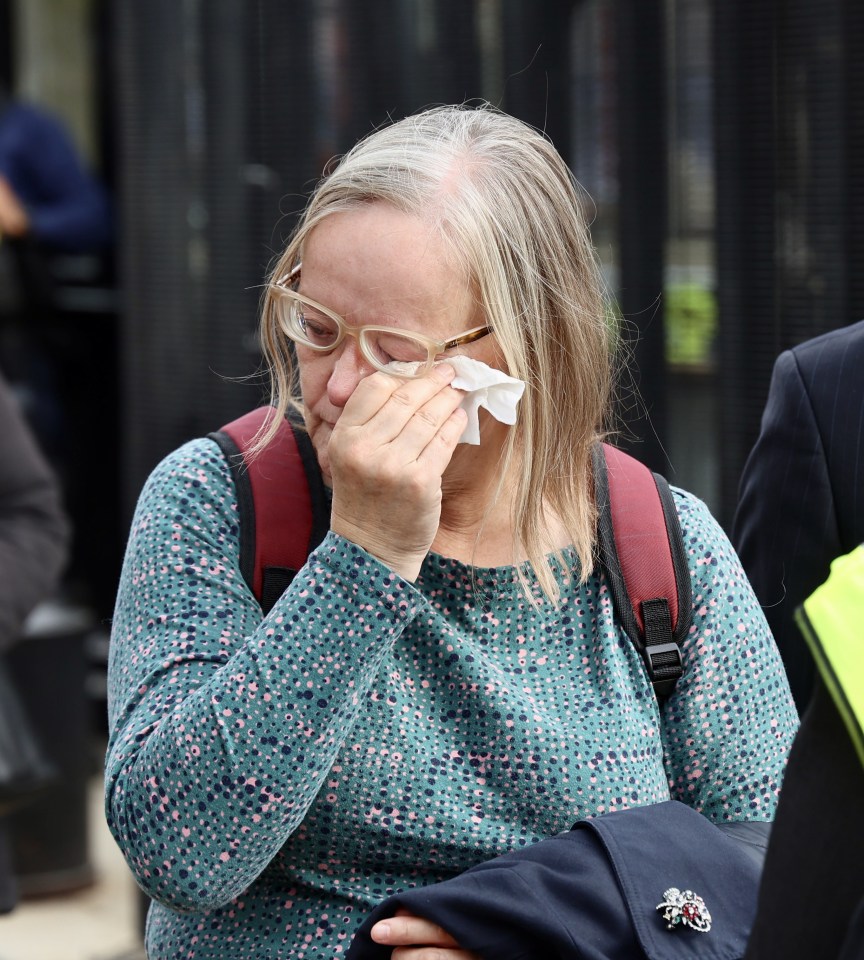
{"type": "Point", "coordinates": [642, 551]}
{"type": "Point", "coordinates": [285, 513]}
{"type": "Point", "coordinates": [284, 507]}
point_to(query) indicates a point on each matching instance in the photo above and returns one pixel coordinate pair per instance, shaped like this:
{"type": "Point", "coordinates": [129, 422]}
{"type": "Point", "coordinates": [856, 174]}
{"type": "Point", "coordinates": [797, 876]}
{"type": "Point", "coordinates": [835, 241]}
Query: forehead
{"type": "Point", "coordinates": [377, 264]}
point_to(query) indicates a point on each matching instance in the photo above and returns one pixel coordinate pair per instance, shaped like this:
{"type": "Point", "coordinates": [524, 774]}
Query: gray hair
{"type": "Point", "coordinates": [512, 214]}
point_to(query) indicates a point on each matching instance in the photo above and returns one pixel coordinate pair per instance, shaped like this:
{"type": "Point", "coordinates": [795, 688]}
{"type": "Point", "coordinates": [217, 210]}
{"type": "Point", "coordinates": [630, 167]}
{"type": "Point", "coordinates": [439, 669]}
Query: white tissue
{"type": "Point", "coordinates": [484, 386]}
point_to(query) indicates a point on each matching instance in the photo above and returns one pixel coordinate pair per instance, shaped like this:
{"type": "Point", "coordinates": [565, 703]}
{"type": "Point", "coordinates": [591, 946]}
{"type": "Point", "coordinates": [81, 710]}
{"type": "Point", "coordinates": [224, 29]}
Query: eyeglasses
{"type": "Point", "coordinates": [318, 328]}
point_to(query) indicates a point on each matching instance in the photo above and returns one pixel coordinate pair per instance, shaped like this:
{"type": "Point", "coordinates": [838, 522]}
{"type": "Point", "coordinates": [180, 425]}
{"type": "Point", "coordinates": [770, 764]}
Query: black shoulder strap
{"type": "Point", "coordinates": [284, 507]}
{"type": "Point", "coordinates": [642, 552]}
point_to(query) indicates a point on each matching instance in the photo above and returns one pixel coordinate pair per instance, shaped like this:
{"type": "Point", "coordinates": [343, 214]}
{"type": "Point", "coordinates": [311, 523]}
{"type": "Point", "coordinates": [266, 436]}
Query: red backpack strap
{"type": "Point", "coordinates": [284, 508]}
{"type": "Point", "coordinates": [642, 552]}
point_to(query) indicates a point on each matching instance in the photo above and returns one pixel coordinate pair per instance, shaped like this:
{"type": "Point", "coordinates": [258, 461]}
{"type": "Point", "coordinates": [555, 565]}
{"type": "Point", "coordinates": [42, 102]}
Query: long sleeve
{"type": "Point", "coordinates": [34, 532]}
{"type": "Point", "coordinates": [224, 725]}
{"type": "Point", "coordinates": [785, 527]}
{"type": "Point", "coordinates": [729, 723]}
{"type": "Point", "coordinates": [268, 780]}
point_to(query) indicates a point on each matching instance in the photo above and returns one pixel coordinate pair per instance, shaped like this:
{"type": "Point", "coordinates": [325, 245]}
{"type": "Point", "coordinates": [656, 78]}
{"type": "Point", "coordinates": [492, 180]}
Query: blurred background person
{"type": "Point", "coordinates": [46, 192]}
{"type": "Point", "coordinates": [33, 547]}
{"type": "Point", "coordinates": [55, 220]}
{"type": "Point", "coordinates": [50, 204]}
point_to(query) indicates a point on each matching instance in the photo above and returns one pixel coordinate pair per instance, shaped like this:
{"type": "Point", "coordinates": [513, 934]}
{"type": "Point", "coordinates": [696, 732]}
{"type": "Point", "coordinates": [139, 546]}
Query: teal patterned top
{"type": "Point", "coordinates": [269, 780]}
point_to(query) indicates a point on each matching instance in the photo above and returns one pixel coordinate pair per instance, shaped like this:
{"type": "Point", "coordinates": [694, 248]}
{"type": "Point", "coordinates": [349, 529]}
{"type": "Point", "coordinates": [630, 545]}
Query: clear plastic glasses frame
{"type": "Point", "coordinates": [379, 345]}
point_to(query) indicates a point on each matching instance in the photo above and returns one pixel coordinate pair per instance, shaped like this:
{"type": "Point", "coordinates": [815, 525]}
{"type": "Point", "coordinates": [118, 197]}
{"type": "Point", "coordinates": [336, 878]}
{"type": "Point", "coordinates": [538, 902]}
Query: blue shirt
{"type": "Point", "coordinates": [67, 207]}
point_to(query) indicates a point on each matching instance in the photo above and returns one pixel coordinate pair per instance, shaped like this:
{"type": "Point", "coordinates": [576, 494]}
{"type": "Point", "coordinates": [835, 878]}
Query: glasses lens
{"type": "Point", "coordinates": [308, 326]}
{"type": "Point", "coordinates": [384, 346]}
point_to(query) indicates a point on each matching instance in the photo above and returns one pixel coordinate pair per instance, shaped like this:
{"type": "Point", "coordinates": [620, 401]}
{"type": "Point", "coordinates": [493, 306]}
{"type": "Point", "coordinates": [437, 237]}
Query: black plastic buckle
{"type": "Point", "coordinates": [665, 666]}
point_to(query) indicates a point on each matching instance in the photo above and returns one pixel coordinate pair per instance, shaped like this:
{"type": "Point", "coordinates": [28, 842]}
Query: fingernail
{"type": "Point", "coordinates": [381, 931]}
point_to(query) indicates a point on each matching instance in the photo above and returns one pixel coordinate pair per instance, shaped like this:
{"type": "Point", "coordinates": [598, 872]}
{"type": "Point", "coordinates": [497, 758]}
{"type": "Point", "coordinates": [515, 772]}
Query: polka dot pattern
{"type": "Point", "coordinates": [270, 780]}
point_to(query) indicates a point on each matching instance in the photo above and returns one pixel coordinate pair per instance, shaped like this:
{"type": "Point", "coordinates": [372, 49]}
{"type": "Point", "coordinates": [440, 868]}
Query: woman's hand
{"type": "Point", "coordinates": [387, 454]}
{"type": "Point", "coordinates": [414, 938]}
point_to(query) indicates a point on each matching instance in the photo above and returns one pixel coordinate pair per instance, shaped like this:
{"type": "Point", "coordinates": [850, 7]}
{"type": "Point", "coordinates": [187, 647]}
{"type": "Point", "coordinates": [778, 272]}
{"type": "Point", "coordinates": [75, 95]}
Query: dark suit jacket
{"type": "Point", "coordinates": [811, 899]}
{"type": "Point", "coordinates": [801, 498]}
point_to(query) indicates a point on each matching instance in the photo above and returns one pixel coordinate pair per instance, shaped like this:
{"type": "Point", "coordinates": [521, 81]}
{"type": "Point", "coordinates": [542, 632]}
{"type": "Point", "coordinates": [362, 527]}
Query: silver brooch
{"type": "Point", "coordinates": [684, 909]}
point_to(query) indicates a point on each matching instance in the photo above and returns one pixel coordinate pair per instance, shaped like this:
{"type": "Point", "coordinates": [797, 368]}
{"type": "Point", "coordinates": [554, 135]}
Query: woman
{"type": "Point", "coordinates": [444, 680]}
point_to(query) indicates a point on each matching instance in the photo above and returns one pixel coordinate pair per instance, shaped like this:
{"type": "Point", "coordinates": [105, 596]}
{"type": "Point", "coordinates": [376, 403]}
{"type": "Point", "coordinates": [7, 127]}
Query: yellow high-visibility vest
{"type": "Point", "coordinates": [832, 621]}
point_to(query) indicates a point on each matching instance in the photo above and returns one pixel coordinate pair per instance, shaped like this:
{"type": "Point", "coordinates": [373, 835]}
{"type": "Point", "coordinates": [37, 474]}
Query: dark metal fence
{"type": "Point", "coordinates": [228, 110]}
{"type": "Point", "coordinates": [790, 219]}
{"type": "Point", "coordinates": [226, 114]}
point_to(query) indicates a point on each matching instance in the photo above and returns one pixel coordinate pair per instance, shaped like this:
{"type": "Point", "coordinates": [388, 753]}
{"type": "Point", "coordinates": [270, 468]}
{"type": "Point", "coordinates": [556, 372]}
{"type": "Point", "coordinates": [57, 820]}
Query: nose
{"type": "Point", "coordinates": [349, 368]}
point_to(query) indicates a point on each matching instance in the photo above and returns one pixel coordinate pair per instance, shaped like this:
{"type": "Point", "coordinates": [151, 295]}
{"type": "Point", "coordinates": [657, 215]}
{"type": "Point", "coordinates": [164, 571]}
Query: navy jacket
{"type": "Point", "coordinates": [801, 498]}
{"type": "Point", "coordinates": [592, 893]}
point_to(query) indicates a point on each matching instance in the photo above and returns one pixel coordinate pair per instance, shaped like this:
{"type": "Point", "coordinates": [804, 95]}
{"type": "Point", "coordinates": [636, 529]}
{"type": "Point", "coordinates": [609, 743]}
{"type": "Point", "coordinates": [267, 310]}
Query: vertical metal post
{"type": "Point", "coordinates": [642, 206]}
{"type": "Point", "coordinates": [787, 133]}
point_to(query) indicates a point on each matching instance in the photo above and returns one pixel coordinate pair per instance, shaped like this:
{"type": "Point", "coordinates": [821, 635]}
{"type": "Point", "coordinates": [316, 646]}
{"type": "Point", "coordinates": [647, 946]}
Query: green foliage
{"type": "Point", "coordinates": [690, 320]}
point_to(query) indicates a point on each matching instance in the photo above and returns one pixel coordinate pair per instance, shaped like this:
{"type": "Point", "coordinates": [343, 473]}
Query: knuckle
{"type": "Point", "coordinates": [449, 434]}
{"type": "Point", "coordinates": [427, 417]}
{"type": "Point", "coordinates": [402, 396]}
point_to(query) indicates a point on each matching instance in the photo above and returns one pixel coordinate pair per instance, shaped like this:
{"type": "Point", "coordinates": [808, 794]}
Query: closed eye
{"type": "Point", "coordinates": [317, 330]}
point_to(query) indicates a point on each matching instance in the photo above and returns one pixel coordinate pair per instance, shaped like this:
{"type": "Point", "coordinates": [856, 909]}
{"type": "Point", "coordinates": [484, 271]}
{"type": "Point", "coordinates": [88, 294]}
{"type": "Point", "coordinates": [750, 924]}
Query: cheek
{"type": "Point", "coordinates": [315, 371]}
{"type": "Point", "coordinates": [488, 352]}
